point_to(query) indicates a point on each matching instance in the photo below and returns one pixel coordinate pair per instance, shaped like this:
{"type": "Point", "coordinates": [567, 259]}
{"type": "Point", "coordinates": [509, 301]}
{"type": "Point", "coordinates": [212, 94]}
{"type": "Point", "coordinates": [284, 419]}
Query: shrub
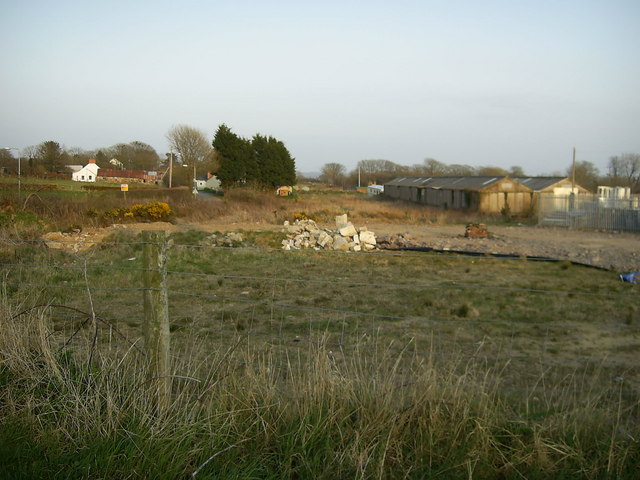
{"type": "Point", "coordinates": [154, 212]}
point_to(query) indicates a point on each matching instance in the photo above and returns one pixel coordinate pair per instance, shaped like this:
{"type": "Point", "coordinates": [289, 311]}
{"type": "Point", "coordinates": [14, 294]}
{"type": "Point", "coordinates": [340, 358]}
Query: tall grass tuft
{"type": "Point", "coordinates": [69, 412]}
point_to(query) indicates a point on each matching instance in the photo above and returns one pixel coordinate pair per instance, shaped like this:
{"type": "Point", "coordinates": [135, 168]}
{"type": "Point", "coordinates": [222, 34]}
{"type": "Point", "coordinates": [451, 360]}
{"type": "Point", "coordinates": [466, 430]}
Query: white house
{"type": "Point", "coordinates": [212, 183]}
{"type": "Point", "coordinates": [86, 174]}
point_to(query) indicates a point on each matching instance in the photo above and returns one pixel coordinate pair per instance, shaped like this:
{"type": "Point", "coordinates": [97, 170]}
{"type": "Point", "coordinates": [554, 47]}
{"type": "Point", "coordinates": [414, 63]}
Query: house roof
{"type": "Point", "coordinates": [107, 172]}
{"type": "Point", "coordinates": [446, 183]}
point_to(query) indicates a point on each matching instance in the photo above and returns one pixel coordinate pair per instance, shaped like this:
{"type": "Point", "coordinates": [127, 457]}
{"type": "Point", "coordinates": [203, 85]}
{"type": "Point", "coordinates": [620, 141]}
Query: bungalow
{"type": "Point", "coordinates": [88, 173]}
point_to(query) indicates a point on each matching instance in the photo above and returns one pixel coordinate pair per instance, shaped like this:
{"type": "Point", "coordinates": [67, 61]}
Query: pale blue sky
{"type": "Point", "coordinates": [476, 82]}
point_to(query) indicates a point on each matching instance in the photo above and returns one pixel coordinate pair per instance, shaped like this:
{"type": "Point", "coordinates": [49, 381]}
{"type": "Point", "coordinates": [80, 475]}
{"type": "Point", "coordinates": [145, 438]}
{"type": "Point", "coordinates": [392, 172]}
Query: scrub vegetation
{"type": "Point", "coordinates": [311, 364]}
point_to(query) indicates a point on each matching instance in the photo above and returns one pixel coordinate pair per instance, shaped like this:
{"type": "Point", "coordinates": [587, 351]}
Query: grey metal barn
{"type": "Point", "coordinates": [483, 194]}
{"type": "Point", "coordinates": [517, 195]}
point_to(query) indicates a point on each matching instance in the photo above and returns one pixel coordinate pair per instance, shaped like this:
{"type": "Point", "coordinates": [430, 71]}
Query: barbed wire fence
{"type": "Point", "coordinates": [272, 305]}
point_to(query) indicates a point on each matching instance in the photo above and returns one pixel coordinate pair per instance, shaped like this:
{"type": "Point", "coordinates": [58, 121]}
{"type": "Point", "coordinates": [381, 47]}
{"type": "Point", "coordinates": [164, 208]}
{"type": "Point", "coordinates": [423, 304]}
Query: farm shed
{"type": "Point", "coordinates": [128, 176]}
{"type": "Point", "coordinates": [559, 186]}
{"type": "Point", "coordinates": [554, 190]}
{"type": "Point", "coordinates": [482, 194]}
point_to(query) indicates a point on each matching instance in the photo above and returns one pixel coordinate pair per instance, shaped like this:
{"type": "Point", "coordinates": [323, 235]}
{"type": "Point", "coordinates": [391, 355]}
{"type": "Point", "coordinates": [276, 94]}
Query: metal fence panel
{"type": "Point", "coordinates": [589, 212]}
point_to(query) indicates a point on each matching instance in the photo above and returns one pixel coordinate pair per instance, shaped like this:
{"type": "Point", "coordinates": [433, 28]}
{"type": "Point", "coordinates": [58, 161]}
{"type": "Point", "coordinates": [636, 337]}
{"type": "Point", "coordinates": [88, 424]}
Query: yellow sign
{"type": "Point", "coordinates": [124, 187]}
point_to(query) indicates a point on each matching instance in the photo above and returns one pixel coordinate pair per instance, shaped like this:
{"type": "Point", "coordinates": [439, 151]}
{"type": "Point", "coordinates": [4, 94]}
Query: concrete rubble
{"type": "Point", "coordinates": [304, 234]}
{"type": "Point", "coordinates": [75, 241]}
{"type": "Point", "coordinates": [230, 239]}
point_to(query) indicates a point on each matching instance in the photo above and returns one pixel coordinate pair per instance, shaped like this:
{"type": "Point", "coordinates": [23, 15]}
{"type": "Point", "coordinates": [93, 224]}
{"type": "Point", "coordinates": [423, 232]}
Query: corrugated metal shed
{"type": "Point", "coordinates": [484, 194]}
{"type": "Point", "coordinates": [548, 184]}
{"type": "Point", "coordinates": [445, 183]}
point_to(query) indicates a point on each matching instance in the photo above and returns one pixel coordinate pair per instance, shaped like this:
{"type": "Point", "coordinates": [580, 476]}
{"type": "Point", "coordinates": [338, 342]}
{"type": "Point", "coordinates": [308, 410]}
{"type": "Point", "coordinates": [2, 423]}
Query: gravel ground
{"type": "Point", "coordinates": [616, 251]}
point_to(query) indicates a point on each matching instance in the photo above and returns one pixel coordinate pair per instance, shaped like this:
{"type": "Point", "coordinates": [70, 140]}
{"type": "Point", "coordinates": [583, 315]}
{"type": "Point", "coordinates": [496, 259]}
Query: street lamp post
{"type": "Point", "coordinates": [19, 182]}
{"type": "Point", "coordinates": [194, 183]}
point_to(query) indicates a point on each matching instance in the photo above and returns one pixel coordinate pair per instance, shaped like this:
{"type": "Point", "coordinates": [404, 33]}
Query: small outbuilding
{"type": "Point", "coordinates": [373, 190]}
{"type": "Point", "coordinates": [284, 191]}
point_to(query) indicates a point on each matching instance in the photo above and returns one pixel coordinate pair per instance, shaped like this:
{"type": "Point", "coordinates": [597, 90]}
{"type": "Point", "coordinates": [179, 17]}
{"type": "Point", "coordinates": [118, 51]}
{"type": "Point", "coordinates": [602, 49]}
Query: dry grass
{"type": "Point", "coordinates": [249, 206]}
{"type": "Point", "coordinates": [65, 208]}
{"type": "Point", "coordinates": [260, 391]}
{"type": "Point", "coordinates": [238, 414]}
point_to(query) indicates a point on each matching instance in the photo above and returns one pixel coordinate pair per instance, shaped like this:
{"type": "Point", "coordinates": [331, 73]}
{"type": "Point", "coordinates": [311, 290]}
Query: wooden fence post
{"type": "Point", "coordinates": [156, 313]}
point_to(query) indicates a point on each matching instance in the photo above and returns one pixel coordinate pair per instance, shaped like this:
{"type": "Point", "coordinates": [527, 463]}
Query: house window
{"type": "Point", "coordinates": [82, 177]}
{"type": "Point", "coordinates": [90, 177]}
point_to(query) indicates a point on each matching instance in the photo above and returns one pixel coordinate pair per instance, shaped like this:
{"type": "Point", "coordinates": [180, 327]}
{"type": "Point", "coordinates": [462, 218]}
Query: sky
{"type": "Point", "coordinates": [502, 83]}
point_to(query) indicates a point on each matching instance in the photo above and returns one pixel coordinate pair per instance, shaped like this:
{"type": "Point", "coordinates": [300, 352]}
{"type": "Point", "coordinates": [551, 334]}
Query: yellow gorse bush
{"type": "Point", "coordinates": [155, 211]}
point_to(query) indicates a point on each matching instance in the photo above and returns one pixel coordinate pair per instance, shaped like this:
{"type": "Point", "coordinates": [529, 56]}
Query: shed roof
{"type": "Point", "coordinates": [446, 183]}
{"type": "Point", "coordinates": [540, 183]}
{"type": "Point", "coordinates": [106, 172]}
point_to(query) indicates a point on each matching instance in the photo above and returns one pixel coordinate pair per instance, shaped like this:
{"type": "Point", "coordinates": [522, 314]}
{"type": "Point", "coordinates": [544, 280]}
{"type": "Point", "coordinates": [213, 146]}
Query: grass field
{"type": "Point", "coordinates": [314, 364]}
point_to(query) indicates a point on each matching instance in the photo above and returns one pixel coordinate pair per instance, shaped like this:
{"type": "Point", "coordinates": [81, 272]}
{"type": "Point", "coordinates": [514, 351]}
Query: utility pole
{"type": "Point", "coordinates": [573, 172]}
{"type": "Point", "coordinates": [170, 166]}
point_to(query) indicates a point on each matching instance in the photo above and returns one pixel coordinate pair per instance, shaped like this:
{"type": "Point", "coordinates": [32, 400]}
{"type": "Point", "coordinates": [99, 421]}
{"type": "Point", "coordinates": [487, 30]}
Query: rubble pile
{"type": "Point", "coordinates": [74, 241]}
{"type": "Point", "coordinates": [303, 234]}
{"type": "Point", "coordinates": [398, 242]}
{"type": "Point", "coordinates": [230, 239]}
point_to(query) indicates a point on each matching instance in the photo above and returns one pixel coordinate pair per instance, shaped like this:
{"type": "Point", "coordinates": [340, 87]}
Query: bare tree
{"type": "Point", "coordinates": [516, 171]}
{"type": "Point", "coordinates": [333, 173]}
{"type": "Point", "coordinates": [190, 143]}
{"type": "Point", "coordinates": [625, 170]}
{"type": "Point", "coordinates": [491, 171]}
{"type": "Point", "coordinates": [587, 174]}
{"type": "Point", "coordinates": [433, 167]}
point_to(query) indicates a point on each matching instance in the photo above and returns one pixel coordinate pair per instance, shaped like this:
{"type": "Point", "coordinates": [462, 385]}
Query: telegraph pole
{"type": "Point", "coordinates": [573, 172]}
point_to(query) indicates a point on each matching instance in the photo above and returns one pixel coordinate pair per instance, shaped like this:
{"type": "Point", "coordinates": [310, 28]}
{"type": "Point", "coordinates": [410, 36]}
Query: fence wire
{"type": "Point", "coordinates": [223, 306]}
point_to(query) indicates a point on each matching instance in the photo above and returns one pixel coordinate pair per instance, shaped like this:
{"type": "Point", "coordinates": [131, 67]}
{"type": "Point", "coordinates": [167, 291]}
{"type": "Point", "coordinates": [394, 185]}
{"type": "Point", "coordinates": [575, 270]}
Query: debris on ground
{"type": "Point", "coordinates": [229, 239]}
{"type": "Point", "coordinates": [75, 241]}
{"type": "Point", "coordinates": [305, 233]}
{"type": "Point", "coordinates": [476, 230]}
{"type": "Point", "coordinates": [633, 277]}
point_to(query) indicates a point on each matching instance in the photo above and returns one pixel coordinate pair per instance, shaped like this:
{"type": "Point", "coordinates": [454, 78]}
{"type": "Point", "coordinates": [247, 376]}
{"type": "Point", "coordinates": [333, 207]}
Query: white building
{"type": "Point", "coordinates": [88, 173]}
{"type": "Point", "coordinates": [375, 190]}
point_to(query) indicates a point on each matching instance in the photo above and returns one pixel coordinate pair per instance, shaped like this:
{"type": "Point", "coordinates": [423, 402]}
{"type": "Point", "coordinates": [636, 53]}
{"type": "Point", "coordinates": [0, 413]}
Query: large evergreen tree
{"type": "Point", "coordinates": [233, 155]}
{"type": "Point", "coordinates": [51, 156]}
{"type": "Point", "coordinates": [263, 162]}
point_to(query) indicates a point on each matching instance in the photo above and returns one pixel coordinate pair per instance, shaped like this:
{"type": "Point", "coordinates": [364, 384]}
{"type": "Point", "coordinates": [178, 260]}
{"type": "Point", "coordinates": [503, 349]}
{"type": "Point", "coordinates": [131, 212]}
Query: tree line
{"type": "Point", "coordinates": [262, 161]}
{"type": "Point", "coordinates": [51, 157]}
{"type": "Point", "coordinates": [622, 170]}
